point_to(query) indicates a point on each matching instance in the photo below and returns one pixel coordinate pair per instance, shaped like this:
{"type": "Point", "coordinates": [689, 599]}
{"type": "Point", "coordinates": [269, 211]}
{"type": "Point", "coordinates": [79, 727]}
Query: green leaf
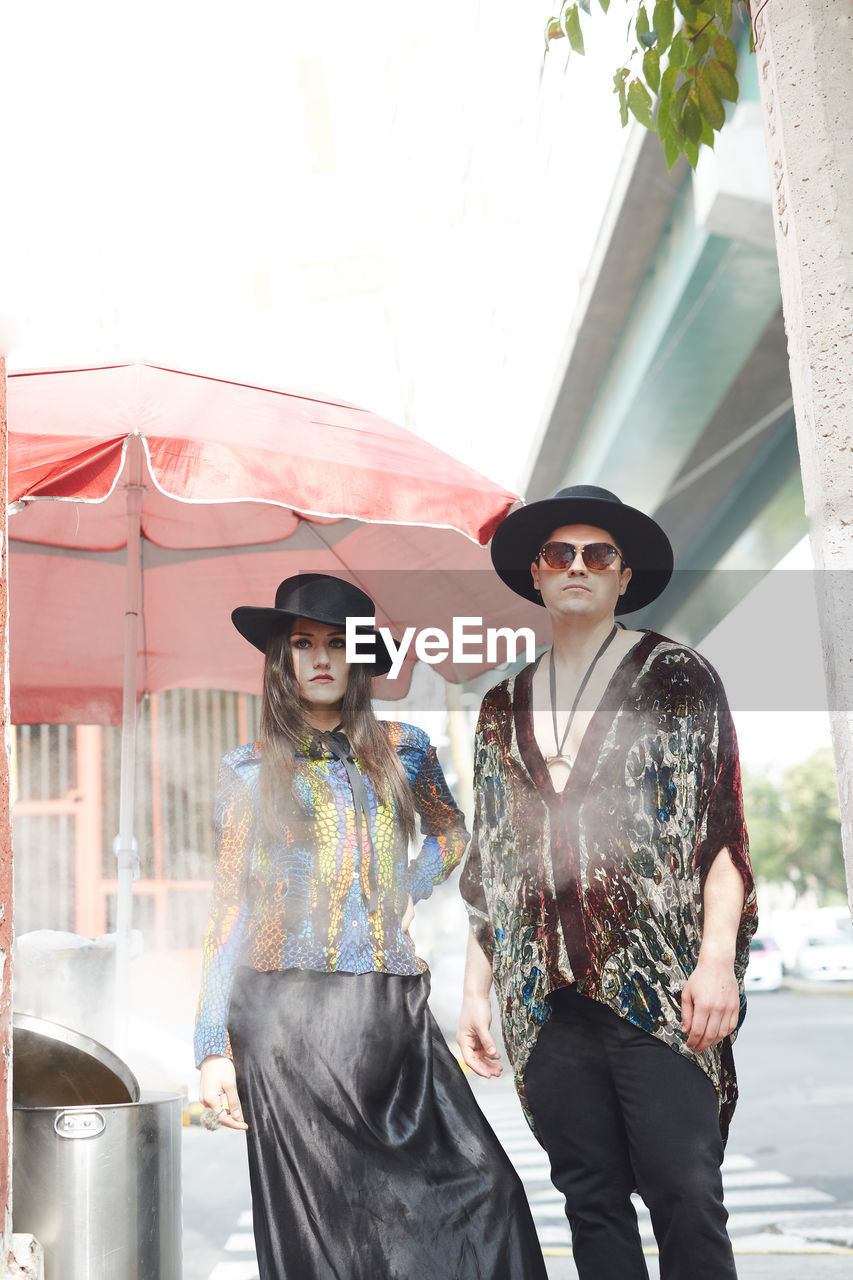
{"type": "Point", "coordinates": [605, 4]}
{"type": "Point", "coordinates": [572, 25]}
{"type": "Point", "coordinates": [668, 82]}
{"type": "Point", "coordinates": [701, 45]}
{"type": "Point", "coordinates": [665, 123]}
{"type": "Point", "coordinates": [726, 53]}
{"type": "Point", "coordinates": [724, 83]}
{"type": "Point", "coordinates": [663, 21]}
{"type": "Point", "coordinates": [688, 11]}
{"type": "Point", "coordinates": [678, 50]}
{"type": "Point", "coordinates": [691, 150]}
{"type": "Point", "coordinates": [553, 31]}
{"type": "Point", "coordinates": [651, 69]}
{"type": "Point", "coordinates": [671, 151]}
{"type": "Point", "coordinates": [648, 39]}
{"type": "Point", "coordinates": [707, 136]}
{"type": "Point", "coordinates": [641, 25]}
{"type": "Point", "coordinates": [680, 96]}
{"type": "Point", "coordinates": [691, 118]}
{"type": "Point", "coordinates": [640, 103]}
{"type": "Point", "coordinates": [675, 105]}
{"type": "Point", "coordinates": [723, 10]}
{"type": "Point", "coordinates": [709, 103]}
{"type": "Point", "coordinates": [619, 87]}
{"type": "Point", "coordinates": [584, 4]}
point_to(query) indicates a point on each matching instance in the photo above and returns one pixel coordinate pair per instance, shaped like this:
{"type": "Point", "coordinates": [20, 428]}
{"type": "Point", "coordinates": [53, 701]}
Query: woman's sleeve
{"type": "Point", "coordinates": [442, 823]}
{"type": "Point", "coordinates": [227, 926]}
{"type": "Point", "coordinates": [471, 879]}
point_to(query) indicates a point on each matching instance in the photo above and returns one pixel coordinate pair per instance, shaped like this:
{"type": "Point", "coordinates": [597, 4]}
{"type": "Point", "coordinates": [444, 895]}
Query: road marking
{"type": "Point", "coordinates": [756, 1178]}
{"type": "Point", "coordinates": [757, 1199]}
{"type": "Point", "coordinates": [736, 1164]}
{"type": "Point", "coordinates": [235, 1271]}
{"type": "Point", "coordinates": [782, 1195]}
{"type": "Point", "coordinates": [240, 1242]}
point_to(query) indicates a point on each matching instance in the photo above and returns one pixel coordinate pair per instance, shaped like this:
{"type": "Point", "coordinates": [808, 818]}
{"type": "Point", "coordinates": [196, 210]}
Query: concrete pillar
{"type": "Point", "coordinates": [806, 81]}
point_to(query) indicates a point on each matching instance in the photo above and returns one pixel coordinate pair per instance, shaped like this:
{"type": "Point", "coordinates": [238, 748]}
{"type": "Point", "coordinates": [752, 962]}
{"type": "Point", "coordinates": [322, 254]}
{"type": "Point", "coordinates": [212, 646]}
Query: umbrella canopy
{"type": "Point", "coordinates": [231, 488]}
{"type": "Point", "coordinates": [183, 496]}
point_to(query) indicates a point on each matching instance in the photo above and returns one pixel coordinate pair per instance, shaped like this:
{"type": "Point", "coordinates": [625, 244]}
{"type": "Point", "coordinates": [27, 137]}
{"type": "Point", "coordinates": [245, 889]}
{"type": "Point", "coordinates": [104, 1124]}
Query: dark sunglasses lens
{"type": "Point", "coordinates": [599, 555]}
{"type": "Point", "coordinates": [558, 555]}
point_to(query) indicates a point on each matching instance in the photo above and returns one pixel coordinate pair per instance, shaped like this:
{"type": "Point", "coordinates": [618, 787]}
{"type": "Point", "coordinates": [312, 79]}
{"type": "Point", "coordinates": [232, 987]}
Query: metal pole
{"type": "Point", "coordinates": [125, 844]}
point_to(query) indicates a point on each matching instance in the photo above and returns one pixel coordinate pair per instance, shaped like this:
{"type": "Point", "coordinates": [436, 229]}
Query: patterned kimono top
{"type": "Point", "coordinates": [302, 901]}
{"type": "Point", "coordinates": [600, 885]}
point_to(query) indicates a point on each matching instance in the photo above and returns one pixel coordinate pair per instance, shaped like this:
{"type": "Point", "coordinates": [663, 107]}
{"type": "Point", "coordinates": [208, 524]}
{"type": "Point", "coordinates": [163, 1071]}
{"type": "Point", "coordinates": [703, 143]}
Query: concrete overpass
{"type": "Point", "coordinates": [673, 387]}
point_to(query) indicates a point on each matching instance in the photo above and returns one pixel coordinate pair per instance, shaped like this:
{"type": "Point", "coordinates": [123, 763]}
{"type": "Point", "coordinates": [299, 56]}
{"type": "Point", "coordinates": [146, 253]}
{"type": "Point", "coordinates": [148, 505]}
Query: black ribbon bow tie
{"type": "Point", "coordinates": [337, 742]}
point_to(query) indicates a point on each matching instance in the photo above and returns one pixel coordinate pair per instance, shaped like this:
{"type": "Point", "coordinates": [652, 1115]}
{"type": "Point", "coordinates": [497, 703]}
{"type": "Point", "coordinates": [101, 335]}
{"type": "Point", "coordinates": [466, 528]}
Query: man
{"type": "Point", "coordinates": [610, 894]}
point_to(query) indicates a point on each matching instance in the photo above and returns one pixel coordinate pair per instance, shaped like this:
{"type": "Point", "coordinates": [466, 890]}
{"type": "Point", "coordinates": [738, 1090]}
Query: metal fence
{"type": "Point", "coordinates": [65, 816]}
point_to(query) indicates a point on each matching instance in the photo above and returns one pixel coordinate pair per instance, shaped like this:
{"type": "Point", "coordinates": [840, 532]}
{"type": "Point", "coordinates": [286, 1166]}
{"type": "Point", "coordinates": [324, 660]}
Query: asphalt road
{"type": "Point", "coordinates": [794, 1122]}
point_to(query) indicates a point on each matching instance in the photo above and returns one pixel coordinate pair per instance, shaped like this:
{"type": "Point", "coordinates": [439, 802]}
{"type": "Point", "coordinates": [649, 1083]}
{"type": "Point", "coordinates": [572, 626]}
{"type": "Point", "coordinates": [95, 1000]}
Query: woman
{"type": "Point", "coordinates": [368, 1156]}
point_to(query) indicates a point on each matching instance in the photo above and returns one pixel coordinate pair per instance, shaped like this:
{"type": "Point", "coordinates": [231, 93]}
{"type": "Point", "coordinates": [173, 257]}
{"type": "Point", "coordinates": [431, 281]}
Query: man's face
{"type": "Point", "coordinates": [577, 590]}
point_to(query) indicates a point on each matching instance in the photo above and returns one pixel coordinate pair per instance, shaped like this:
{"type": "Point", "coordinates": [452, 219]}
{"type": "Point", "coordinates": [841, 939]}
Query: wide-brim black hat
{"type": "Point", "coordinates": [645, 547]}
{"type": "Point", "coordinates": [322, 598]}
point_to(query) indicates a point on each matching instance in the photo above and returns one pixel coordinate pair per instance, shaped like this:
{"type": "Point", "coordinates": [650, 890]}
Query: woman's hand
{"type": "Point", "coordinates": [408, 914]}
{"type": "Point", "coordinates": [218, 1090]}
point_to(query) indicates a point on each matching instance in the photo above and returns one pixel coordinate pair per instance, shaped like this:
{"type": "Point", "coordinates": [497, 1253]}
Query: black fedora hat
{"type": "Point", "coordinates": [645, 547]}
{"type": "Point", "coordinates": [320, 597]}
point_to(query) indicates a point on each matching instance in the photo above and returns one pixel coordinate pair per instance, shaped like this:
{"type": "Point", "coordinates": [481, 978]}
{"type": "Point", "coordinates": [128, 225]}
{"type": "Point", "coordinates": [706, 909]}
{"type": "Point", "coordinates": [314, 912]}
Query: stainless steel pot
{"type": "Point", "coordinates": [98, 1183]}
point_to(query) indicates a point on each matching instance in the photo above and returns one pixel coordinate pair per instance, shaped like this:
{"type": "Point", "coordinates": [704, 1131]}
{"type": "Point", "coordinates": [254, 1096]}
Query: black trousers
{"type": "Point", "coordinates": [620, 1111]}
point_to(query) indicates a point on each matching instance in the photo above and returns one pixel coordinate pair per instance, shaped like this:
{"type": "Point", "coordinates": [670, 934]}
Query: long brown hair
{"type": "Point", "coordinates": [284, 727]}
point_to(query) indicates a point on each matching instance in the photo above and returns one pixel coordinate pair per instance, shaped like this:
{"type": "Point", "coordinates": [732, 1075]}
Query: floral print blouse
{"type": "Point", "coordinates": [600, 885]}
{"type": "Point", "coordinates": [303, 901]}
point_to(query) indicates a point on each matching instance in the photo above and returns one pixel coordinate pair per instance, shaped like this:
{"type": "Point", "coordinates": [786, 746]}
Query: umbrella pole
{"type": "Point", "coordinates": [125, 845]}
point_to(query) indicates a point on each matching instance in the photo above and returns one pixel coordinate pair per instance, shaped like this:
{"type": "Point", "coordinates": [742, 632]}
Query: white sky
{"type": "Point", "coordinates": [387, 202]}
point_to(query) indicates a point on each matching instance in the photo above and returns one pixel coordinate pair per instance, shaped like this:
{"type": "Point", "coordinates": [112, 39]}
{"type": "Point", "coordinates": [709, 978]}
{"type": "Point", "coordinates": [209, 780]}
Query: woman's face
{"type": "Point", "coordinates": [319, 661]}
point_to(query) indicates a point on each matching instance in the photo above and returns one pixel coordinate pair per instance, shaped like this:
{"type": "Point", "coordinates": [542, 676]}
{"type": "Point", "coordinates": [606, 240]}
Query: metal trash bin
{"type": "Point", "coordinates": [97, 1163]}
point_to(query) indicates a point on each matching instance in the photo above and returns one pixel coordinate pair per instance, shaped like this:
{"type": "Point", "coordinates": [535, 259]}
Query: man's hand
{"type": "Point", "coordinates": [475, 1040]}
{"type": "Point", "coordinates": [710, 1004]}
{"type": "Point", "coordinates": [218, 1090]}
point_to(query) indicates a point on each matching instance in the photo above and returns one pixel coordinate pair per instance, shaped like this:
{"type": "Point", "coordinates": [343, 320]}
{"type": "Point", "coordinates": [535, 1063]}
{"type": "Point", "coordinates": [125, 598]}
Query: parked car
{"type": "Point", "coordinates": [828, 958]}
{"type": "Point", "coordinates": [764, 971]}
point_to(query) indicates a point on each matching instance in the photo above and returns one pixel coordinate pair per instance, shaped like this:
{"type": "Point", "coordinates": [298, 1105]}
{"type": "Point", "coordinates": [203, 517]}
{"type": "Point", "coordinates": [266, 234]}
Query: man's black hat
{"type": "Point", "coordinates": [322, 598]}
{"type": "Point", "coordinates": [645, 547]}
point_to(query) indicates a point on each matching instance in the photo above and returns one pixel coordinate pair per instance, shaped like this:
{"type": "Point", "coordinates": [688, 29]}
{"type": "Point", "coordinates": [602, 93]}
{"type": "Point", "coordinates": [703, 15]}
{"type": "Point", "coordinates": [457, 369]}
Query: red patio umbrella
{"type": "Point", "coordinates": [145, 503]}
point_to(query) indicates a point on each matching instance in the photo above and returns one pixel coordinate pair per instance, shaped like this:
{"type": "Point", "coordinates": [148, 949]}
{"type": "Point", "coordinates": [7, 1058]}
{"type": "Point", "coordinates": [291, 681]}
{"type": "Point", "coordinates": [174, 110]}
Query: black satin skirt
{"type": "Point", "coordinates": [369, 1158]}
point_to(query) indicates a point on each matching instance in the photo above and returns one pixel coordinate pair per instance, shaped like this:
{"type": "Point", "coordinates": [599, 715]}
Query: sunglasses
{"type": "Point", "coordinates": [595, 555]}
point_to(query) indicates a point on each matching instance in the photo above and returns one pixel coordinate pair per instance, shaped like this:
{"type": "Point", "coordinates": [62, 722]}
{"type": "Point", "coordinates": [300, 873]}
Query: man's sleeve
{"type": "Point", "coordinates": [721, 819]}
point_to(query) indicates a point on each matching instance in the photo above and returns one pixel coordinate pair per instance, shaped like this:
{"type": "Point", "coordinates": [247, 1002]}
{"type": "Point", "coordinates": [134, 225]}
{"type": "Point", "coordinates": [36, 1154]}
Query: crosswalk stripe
{"type": "Point", "coordinates": [240, 1242]}
{"type": "Point", "coordinates": [756, 1178]}
{"type": "Point", "coordinates": [245, 1219]}
{"type": "Point", "coordinates": [753, 1197]}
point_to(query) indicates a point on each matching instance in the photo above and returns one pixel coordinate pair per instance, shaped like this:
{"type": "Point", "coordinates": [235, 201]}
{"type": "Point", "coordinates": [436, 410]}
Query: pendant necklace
{"type": "Point", "coordinates": [561, 741]}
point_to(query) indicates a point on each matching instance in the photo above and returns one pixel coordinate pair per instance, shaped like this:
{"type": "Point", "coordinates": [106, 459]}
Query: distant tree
{"type": "Point", "coordinates": [681, 69]}
{"type": "Point", "coordinates": [795, 827]}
